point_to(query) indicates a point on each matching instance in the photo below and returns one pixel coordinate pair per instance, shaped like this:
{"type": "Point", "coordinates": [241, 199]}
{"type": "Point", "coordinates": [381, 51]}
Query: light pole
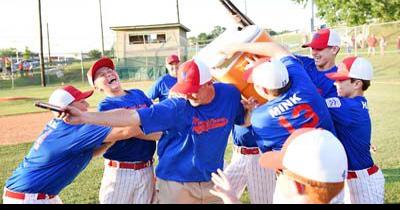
{"type": "Point", "coordinates": [245, 6]}
{"type": "Point", "coordinates": [177, 11]}
{"type": "Point", "coordinates": [102, 34]}
{"type": "Point", "coordinates": [48, 43]}
{"type": "Point", "coordinates": [42, 68]}
{"type": "Point", "coordinates": [312, 16]}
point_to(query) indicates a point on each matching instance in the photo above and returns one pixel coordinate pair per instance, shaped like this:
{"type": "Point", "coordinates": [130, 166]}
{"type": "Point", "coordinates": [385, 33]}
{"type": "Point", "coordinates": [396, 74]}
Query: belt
{"type": "Point", "coordinates": [371, 171]}
{"type": "Point", "coordinates": [133, 166]}
{"type": "Point", "coordinates": [247, 151]}
{"type": "Point", "coordinates": [21, 196]}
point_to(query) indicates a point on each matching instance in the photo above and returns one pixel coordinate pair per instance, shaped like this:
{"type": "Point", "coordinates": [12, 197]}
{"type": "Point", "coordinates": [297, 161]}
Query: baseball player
{"type": "Point", "coordinates": [325, 47]}
{"type": "Point", "coordinates": [128, 175]}
{"type": "Point", "coordinates": [316, 182]}
{"type": "Point", "coordinates": [161, 88]}
{"type": "Point", "coordinates": [245, 171]}
{"type": "Point", "coordinates": [350, 113]}
{"type": "Point", "coordinates": [294, 102]}
{"type": "Point", "coordinates": [196, 129]}
{"type": "Point", "coordinates": [59, 154]}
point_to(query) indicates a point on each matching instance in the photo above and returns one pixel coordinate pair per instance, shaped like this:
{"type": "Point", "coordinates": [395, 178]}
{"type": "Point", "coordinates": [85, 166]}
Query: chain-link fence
{"type": "Point", "coordinates": [147, 62]}
{"type": "Point", "coordinates": [354, 39]}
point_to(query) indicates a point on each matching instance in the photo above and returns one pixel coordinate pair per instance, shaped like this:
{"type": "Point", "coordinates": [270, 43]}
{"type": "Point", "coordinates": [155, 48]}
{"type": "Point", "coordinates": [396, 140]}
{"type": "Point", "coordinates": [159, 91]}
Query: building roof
{"type": "Point", "coordinates": [155, 26]}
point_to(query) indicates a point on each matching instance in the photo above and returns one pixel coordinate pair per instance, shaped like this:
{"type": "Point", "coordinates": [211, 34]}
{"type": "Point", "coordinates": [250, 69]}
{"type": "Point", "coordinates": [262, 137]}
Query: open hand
{"type": "Point", "coordinates": [250, 104]}
{"type": "Point", "coordinates": [223, 188]}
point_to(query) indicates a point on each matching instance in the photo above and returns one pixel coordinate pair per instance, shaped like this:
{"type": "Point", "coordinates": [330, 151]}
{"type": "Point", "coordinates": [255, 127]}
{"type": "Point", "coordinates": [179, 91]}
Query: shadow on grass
{"type": "Point", "coordinates": [392, 175]}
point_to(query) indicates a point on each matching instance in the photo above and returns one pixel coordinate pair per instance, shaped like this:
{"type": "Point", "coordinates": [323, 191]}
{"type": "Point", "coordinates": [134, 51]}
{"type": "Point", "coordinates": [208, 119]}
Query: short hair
{"type": "Point", "coordinates": [318, 192]}
{"type": "Point", "coordinates": [278, 92]}
{"type": "Point", "coordinates": [366, 83]}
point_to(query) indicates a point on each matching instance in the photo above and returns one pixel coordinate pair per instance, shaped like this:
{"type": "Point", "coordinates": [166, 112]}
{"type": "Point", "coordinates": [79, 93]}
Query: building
{"type": "Point", "coordinates": [158, 40]}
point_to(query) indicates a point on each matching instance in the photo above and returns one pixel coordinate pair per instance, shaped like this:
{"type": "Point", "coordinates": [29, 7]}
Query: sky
{"type": "Point", "coordinates": [74, 25]}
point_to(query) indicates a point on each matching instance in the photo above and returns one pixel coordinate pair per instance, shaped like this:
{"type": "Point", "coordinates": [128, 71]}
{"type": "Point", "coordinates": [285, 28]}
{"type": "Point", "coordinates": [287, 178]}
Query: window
{"type": "Point", "coordinates": [136, 39]}
{"type": "Point", "coordinates": [147, 39]}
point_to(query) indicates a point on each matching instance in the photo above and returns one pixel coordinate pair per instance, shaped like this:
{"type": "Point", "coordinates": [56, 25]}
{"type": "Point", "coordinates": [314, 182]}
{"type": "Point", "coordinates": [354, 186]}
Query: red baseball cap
{"type": "Point", "coordinates": [67, 95]}
{"type": "Point", "coordinates": [172, 59]}
{"type": "Point", "coordinates": [191, 76]}
{"type": "Point", "coordinates": [353, 67]}
{"type": "Point", "coordinates": [324, 38]}
{"type": "Point", "coordinates": [103, 62]}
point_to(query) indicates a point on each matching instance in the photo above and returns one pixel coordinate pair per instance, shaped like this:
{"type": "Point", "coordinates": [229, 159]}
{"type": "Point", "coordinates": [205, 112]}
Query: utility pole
{"type": "Point", "coordinates": [42, 68]}
{"type": "Point", "coordinates": [48, 43]}
{"type": "Point", "coordinates": [245, 7]}
{"type": "Point", "coordinates": [177, 11]}
{"type": "Point", "coordinates": [102, 34]}
{"type": "Point", "coordinates": [312, 16]}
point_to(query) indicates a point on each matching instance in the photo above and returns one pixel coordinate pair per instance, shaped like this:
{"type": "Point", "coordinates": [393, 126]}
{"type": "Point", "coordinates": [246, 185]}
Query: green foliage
{"type": "Point", "coordinates": [356, 12]}
{"type": "Point", "coordinates": [95, 54]}
{"type": "Point", "coordinates": [9, 52]}
{"type": "Point", "coordinates": [204, 38]}
{"type": "Point", "coordinates": [27, 54]}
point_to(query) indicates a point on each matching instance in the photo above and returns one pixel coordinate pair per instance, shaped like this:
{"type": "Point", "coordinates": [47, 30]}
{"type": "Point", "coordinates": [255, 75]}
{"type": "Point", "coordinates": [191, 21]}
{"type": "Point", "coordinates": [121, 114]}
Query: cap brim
{"type": "Point", "coordinates": [306, 45]}
{"type": "Point", "coordinates": [314, 46]}
{"type": "Point", "coordinates": [338, 76]}
{"type": "Point", "coordinates": [84, 95]}
{"type": "Point", "coordinates": [184, 89]}
{"type": "Point", "coordinates": [272, 160]}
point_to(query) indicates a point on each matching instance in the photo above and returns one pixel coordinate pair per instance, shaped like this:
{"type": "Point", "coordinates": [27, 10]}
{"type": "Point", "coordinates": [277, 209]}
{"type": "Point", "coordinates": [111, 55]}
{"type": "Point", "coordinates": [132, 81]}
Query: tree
{"type": "Point", "coordinates": [356, 12]}
{"type": "Point", "coordinates": [95, 54]}
{"type": "Point", "coordinates": [27, 54]}
{"type": "Point", "coordinates": [9, 52]}
{"type": "Point", "coordinates": [204, 38]}
{"type": "Point", "coordinates": [218, 30]}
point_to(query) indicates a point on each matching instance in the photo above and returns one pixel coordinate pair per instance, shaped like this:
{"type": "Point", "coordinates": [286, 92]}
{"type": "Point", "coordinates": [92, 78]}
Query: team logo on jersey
{"type": "Point", "coordinates": [41, 139]}
{"type": "Point", "coordinates": [200, 127]}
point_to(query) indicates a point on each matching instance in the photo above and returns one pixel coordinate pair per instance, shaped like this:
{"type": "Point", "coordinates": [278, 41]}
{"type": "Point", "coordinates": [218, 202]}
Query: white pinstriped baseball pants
{"type": "Point", "coordinates": [127, 186]}
{"type": "Point", "coordinates": [31, 199]}
{"type": "Point", "coordinates": [245, 170]}
{"type": "Point", "coordinates": [365, 189]}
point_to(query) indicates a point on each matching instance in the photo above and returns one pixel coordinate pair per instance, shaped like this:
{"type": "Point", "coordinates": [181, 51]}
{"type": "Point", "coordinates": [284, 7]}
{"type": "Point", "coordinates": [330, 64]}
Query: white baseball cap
{"type": "Point", "coordinates": [191, 76]}
{"type": "Point", "coordinates": [67, 95]}
{"type": "Point", "coordinates": [314, 154]}
{"type": "Point", "coordinates": [272, 74]}
{"type": "Point", "coordinates": [353, 68]}
{"type": "Point", "coordinates": [324, 38]}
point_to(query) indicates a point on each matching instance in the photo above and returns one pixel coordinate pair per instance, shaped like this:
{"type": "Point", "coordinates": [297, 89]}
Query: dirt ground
{"type": "Point", "coordinates": [22, 128]}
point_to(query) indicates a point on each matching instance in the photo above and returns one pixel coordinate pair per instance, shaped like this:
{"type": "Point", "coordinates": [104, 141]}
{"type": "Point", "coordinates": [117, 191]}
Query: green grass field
{"type": "Point", "coordinates": [384, 98]}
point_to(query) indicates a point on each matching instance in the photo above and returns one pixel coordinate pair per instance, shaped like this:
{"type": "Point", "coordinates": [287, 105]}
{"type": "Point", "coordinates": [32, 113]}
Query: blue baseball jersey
{"type": "Point", "coordinates": [353, 126]}
{"type": "Point", "coordinates": [195, 138]}
{"type": "Point", "coordinates": [325, 86]}
{"type": "Point", "coordinates": [161, 88]}
{"type": "Point", "coordinates": [133, 149]}
{"type": "Point", "coordinates": [57, 157]}
{"type": "Point", "coordinates": [300, 107]}
{"type": "Point", "coordinates": [244, 136]}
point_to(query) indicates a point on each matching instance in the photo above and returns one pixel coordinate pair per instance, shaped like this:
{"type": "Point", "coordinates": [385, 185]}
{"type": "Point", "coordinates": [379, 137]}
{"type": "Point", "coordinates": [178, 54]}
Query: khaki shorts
{"type": "Point", "coordinates": [186, 193]}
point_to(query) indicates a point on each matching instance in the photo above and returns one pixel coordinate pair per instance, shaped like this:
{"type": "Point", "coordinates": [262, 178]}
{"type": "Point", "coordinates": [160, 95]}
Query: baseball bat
{"type": "Point", "coordinates": [48, 106]}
